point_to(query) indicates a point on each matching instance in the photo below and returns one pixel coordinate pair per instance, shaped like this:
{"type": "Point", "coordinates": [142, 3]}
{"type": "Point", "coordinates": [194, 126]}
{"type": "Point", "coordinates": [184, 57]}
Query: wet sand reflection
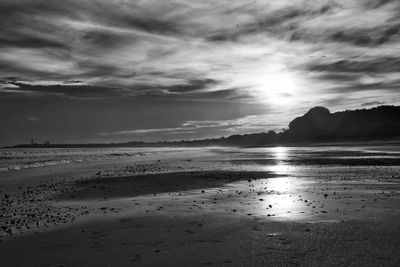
{"type": "Point", "coordinates": [281, 200]}
{"type": "Point", "coordinates": [279, 195]}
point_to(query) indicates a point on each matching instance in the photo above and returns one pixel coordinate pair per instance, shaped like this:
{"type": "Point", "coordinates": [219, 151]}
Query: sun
{"type": "Point", "coordinates": [278, 88]}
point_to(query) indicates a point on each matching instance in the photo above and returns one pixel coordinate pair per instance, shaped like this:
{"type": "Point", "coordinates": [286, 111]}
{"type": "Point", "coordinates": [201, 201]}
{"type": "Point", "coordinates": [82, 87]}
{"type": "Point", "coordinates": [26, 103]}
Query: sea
{"type": "Point", "coordinates": [15, 159]}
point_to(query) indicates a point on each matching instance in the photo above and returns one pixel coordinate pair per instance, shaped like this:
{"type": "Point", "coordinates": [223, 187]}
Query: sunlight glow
{"type": "Point", "coordinates": [278, 88]}
{"type": "Point", "coordinates": [279, 154]}
{"type": "Point", "coordinates": [280, 200]}
{"type": "Point", "coordinates": [280, 184]}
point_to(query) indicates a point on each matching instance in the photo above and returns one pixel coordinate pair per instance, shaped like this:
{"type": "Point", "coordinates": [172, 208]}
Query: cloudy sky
{"type": "Point", "coordinates": [119, 70]}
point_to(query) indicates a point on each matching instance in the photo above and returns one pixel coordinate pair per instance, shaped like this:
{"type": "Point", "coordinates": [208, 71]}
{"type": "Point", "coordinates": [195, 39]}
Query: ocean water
{"type": "Point", "coordinates": [272, 158]}
{"type": "Point", "coordinates": [24, 158]}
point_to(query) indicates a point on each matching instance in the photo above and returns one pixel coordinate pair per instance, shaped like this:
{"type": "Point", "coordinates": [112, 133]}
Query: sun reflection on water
{"type": "Point", "coordinates": [280, 185]}
{"type": "Point", "coordinates": [280, 155]}
{"type": "Point", "coordinates": [279, 152]}
{"type": "Point", "coordinates": [280, 198]}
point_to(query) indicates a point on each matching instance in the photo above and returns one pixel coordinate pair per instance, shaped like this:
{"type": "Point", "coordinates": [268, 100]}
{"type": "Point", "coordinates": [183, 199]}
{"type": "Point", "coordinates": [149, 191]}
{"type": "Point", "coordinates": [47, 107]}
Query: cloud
{"type": "Point", "coordinates": [73, 89]}
{"type": "Point", "coordinates": [32, 118]}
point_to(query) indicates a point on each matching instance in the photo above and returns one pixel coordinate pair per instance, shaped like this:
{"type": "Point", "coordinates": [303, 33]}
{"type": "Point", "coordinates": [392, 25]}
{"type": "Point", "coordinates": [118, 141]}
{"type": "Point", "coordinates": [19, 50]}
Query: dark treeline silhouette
{"type": "Point", "coordinates": [317, 125]}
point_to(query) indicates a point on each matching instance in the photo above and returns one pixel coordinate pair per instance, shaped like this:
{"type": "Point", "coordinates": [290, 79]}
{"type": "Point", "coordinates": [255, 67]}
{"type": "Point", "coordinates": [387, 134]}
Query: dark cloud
{"type": "Point", "coordinates": [148, 24]}
{"type": "Point", "coordinates": [265, 25]}
{"type": "Point", "coordinates": [356, 86]}
{"type": "Point", "coordinates": [338, 77]}
{"type": "Point", "coordinates": [367, 74]}
{"type": "Point", "coordinates": [30, 23]}
{"type": "Point", "coordinates": [363, 65]}
{"type": "Point", "coordinates": [26, 41]}
{"type": "Point", "coordinates": [287, 23]}
{"type": "Point", "coordinates": [192, 85]}
{"type": "Point", "coordinates": [194, 90]}
{"type": "Point", "coordinates": [26, 71]}
{"type": "Point", "coordinates": [79, 91]}
{"type": "Point", "coordinates": [369, 37]}
{"type": "Point", "coordinates": [283, 22]}
{"type": "Point", "coordinates": [334, 101]}
{"type": "Point", "coordinates": [91, 68]}
{"type": "Point", "coordinates": [378, 3]}
{"type": "Point", "coordinates": [226, 94]}
{"type": "Point", "coordinates": [373, 103]}
{"type": "Point", "coordinates": [105, 40]}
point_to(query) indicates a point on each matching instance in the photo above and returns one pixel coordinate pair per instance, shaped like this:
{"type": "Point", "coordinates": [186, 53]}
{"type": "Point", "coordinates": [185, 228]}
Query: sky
{"type": "Point", "coordinates": [122, 70]}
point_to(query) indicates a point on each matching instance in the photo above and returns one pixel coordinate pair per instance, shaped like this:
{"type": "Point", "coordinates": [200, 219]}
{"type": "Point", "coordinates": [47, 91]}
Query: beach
{"type": "Point", "coordinates": [307, 206]}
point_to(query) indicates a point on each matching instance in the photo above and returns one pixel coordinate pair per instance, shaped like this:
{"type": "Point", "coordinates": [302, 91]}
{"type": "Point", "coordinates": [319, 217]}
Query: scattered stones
{"type": "Point", "coordinates": [29, 209]}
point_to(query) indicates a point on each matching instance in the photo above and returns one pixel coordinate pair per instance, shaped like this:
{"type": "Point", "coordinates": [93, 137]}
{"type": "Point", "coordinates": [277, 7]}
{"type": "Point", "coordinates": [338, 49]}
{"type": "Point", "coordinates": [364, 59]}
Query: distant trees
{"type": "Point", "coordinates": [317, 125]}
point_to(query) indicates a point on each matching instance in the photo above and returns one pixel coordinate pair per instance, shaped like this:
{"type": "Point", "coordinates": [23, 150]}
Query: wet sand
{"type": "Point", "coordinates": [193, 212]}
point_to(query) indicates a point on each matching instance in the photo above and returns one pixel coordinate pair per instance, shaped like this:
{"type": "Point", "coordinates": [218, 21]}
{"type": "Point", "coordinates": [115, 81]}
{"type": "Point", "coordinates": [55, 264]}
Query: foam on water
{"type": "Point", "coordinates": [17, 159]}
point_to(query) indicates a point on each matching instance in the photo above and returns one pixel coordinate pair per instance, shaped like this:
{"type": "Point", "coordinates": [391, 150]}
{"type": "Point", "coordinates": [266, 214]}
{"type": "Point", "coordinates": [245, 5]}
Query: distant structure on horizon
{"type": "Point", "coordinates": [33, 143]}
